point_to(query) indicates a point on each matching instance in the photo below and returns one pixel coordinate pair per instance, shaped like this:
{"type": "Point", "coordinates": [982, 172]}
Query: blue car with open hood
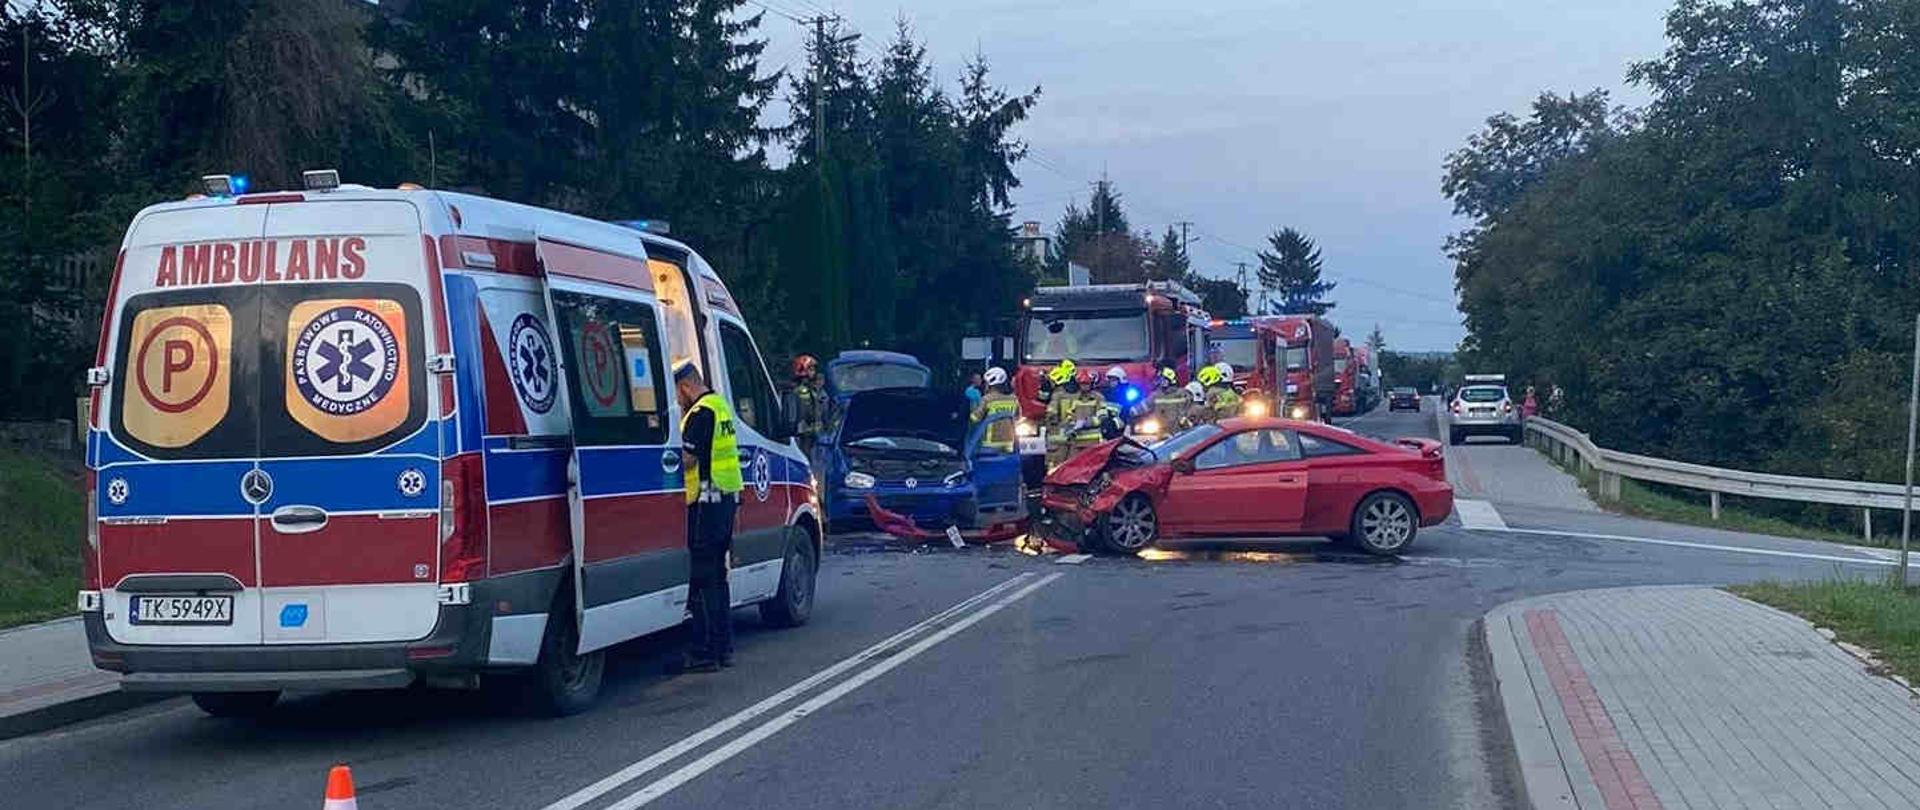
{"type": "Point", "coordinates": [917, 453]}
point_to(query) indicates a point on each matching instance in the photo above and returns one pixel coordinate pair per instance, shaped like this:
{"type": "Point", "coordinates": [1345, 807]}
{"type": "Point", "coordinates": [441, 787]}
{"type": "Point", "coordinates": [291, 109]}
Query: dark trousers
{"type": "Point", "coordinates": [709, 538]}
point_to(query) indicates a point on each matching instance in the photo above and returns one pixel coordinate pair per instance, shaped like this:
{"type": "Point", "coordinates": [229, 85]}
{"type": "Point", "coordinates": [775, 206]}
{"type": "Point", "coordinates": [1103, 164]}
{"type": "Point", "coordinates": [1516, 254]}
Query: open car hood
{"type": "Point", "coordinates": [920, 413]}
{"type": "Point", "coordinates": [1082, 468]}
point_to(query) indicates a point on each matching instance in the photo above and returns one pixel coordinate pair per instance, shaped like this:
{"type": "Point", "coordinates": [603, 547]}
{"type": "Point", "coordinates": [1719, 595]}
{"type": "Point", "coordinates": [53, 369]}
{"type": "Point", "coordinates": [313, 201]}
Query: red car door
{"type": "Point", "coordinates": [1249, 482]}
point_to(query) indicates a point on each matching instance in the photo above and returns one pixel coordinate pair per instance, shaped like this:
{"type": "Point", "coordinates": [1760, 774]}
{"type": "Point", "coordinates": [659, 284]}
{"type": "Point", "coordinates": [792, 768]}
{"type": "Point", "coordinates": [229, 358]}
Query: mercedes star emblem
{"type": "Point", "coordinates": [256, 486]}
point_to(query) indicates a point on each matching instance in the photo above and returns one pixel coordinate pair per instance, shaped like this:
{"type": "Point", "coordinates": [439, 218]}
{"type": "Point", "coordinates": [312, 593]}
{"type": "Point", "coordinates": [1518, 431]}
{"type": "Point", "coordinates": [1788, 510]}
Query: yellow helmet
{"type": "Point", "coordinates": [1209, 376]}
{"type": "Point", "coordinates": [1060, 374]}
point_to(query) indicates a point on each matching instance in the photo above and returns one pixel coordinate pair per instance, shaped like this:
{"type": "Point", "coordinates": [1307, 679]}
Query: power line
{"type": "Point", "coordinates": [782, 12]}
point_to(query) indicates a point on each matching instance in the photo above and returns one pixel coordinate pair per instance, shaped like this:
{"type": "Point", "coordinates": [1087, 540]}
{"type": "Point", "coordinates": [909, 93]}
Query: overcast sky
{"type": "Point", "coordinates": [1331, 116]}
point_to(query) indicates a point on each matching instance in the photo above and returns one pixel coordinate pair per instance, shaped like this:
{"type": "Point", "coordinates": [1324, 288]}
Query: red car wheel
{"type": "Point", "coordinates": [1131, 525]}
{"type": "Point", "coordinates": [1384, 523]}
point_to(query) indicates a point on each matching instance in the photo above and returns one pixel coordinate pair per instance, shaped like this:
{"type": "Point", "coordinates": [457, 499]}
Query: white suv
{"type": "Point", "coordinates": [1485, 410]}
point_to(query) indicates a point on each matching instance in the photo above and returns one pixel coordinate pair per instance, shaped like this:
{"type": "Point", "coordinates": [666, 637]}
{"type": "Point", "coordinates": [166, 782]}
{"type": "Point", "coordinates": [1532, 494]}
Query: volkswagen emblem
{"type": "Point", "coordinates": [911, 483]}
{"type": "Point", "coordinates": [256, 486]}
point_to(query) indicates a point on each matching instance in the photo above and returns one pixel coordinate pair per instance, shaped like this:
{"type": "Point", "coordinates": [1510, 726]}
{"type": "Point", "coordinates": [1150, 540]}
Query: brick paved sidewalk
{"type": "Point", "coordinates": [48, 678]}
{"type": "Point", "coordinates": [1695, 698]}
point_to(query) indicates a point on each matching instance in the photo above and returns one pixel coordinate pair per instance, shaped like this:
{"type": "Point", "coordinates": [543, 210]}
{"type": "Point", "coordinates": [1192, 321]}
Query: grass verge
{"type": "Point", "coordinates": [42, 522]}
{"type": "Point", "coordinates": [1694, 509]}
{"type": "Point", "coordinates": [1875, 614]}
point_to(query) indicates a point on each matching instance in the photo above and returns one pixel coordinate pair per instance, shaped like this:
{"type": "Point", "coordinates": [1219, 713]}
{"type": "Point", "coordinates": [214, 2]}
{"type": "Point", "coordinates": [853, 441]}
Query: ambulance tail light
{"type": "Point", "coordinates": [90, 559]}
{"type": "Point", "coordinates": [463, 519]}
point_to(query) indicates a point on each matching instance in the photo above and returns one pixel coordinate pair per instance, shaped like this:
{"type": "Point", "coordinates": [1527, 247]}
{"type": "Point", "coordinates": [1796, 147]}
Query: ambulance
{"type": "Point", "coordinates": [348, 438]}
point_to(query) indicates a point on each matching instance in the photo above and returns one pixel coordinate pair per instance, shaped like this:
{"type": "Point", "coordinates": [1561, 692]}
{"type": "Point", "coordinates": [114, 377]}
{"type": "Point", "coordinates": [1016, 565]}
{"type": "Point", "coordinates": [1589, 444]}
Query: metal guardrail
{"type": "Point", "coordinates": [1571, 447]}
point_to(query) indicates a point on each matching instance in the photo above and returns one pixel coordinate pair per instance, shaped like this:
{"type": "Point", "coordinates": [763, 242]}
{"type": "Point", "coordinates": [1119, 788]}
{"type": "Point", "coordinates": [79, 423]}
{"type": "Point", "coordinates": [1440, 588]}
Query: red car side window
{"type": "Point", "coordinates": [1247, 447]}
{"type": "Point", "coordinates": [1312, 446]}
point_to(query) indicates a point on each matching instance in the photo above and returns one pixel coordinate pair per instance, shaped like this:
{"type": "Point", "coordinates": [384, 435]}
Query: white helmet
{"type": "Point", "coordinates": [1226, 369]}
{"type": "Point", "coordinates": [996, 376]}
{"type": "Point", "coordinates": [1117, 374]}
{"type": "Point", "coordinates": [1197, 391]}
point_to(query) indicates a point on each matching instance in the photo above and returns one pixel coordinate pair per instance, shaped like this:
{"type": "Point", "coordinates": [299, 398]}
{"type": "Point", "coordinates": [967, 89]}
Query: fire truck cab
{"type": "Point", "coordinates": [1307, 357]}
{"type": "Point", "coordinates": [1135, 327]}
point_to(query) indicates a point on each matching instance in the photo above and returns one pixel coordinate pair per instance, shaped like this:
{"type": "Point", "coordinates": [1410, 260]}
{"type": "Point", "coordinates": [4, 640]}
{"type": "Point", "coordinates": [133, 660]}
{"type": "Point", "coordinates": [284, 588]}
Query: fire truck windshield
{"type": "Point", "coordinates": [1238, 351]}
{"type": "Point", "coordinates": [1083, 337]}
{"type": "Point", "coordinates": [1296, 358]}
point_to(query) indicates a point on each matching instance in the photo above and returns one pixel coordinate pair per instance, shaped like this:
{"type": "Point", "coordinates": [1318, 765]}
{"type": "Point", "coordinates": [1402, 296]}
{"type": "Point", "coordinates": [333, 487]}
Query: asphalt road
{"type": "Point", "coordinates": [1280, 673]}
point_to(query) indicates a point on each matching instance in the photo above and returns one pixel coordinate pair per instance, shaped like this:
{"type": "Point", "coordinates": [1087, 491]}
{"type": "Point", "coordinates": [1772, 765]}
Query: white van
{"type": "Point", "coordinates": [354, 438]}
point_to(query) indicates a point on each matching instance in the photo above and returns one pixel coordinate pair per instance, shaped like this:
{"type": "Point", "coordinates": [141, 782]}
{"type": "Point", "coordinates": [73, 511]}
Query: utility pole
{"type": "Point", "coordinates": [1099, 224]}
{"type": "Point", "coordinates": [820, 44]}
{"type": "Point", "coordinates": [1184, 239]}
{"type": "Point", "coordinates": [1913, 423]}
{"type": "Point", "coordinates": [1241, 276]}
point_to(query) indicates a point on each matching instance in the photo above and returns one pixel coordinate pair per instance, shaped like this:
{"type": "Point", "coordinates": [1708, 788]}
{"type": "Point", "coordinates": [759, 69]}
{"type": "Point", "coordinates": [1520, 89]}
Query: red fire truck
{"type": "Point", "coordinates": [1304, 346]}
{"type": "Point", "coordinates": [1135, 327]}
{"type": "Point", "coordinates": [1345, 379]}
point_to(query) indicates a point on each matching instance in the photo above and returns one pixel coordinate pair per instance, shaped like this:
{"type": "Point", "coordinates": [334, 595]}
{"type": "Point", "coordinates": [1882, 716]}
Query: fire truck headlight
{"type": "Point", "coordinates": [1256, 408]}
{"type": "Point", "coordinates": [1025, 428]}
{"type": "Point", "coordinates": [1299, 412]}
{"type": "Point", "coordinates": [1148, 427]}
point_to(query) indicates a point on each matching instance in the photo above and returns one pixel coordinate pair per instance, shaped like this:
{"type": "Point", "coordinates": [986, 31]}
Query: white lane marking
{"type": "Point", "coordinates": [741, 743]}
{"type": "Point", "coordinates": [1768, 552]}
{"type": "Point", "coordinates": [672, 752]}
{"type": "Point", "coordinates": [1073, 559]}
{"type": "Point", "coordinates": [1477, 514]}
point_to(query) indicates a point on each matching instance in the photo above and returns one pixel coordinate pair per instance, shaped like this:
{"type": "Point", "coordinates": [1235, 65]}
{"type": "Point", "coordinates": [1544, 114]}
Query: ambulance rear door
{"type": "Point", "coordinates": [175, 458]}
{"type": "Point", "coordinates": [349, 450]}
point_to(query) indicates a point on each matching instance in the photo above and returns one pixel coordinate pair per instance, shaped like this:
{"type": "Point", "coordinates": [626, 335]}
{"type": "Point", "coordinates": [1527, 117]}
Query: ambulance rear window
{"type": "Point", "coordinates": [180, 391]}
{"type": "Point", "coordinates": [278, 371]}
{"type": "Point", "coordinates": [346, 369]}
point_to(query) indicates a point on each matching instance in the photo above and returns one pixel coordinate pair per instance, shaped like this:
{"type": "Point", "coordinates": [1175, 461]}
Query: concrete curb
{"type": "Point", "coordinates": [54, 715]}
{"type": "Point", "coordinates": [82, 693]}
{"type": "Point", "coordinates": [1553, 774]}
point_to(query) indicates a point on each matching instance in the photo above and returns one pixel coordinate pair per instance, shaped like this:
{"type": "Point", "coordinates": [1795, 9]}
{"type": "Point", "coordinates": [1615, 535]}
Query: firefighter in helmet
{"type": "Point", "coordinates": [997, 400]}
{"type": "Point", "coordinates": [1119, 404]}
{"type": "Point", "coordinates": [1196, 412]}
{"type": "Point", "coordinates": [1222, 401]}
{"type": "Point", "coordinates": [1061, 389]}
{"type": "Point", "coordinates": [1084, 410]}
{"type": "Point", "coordinates": [1169, 403]}
{"type": "Point", "coordinates": [810, 400]}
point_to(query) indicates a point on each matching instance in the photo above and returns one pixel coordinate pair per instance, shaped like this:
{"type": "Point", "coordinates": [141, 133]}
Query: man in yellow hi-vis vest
{"type": "Point", "coordinates": [711, 461]}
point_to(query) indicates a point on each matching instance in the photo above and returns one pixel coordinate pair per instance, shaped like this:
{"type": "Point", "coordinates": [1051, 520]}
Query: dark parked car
{"type": "Point", "coordinates": [1403, 399]}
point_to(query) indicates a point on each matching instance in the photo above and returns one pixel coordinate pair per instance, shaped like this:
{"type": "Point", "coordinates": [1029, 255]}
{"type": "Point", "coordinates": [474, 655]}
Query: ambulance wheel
{"type": "Point", "coordinates": [563, 681]}
{"type": "Point", "coordinates": [792, 605]}
{"type": "Point", "coordinates": [235, 704]}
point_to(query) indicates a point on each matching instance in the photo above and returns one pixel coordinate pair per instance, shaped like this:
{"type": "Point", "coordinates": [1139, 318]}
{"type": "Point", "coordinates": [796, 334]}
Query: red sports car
{"type": "Point", "coordinates": [1250, 477]}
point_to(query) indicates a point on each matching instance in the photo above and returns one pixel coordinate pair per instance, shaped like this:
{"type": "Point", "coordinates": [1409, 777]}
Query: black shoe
{"type": "Point", "coordinates": [693, 664]}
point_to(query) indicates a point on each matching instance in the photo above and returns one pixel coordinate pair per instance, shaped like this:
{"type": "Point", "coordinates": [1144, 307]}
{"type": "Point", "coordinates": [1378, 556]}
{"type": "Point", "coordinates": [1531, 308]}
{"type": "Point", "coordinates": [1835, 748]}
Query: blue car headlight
{"type": "Point", "coordinates": [858, 480]}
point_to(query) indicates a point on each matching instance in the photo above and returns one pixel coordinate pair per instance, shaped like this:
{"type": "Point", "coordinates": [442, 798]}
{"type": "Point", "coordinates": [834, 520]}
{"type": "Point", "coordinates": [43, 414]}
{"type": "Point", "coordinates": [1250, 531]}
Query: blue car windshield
{"type": "Point", "coordinates": [907, 443]}
{"type": "Point", "coordinates": [852, 378]}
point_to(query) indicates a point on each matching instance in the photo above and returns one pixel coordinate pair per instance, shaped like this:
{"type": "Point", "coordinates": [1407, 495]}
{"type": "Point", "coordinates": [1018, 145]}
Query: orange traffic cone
{"type": "Point", "coordinates": [340, 790]}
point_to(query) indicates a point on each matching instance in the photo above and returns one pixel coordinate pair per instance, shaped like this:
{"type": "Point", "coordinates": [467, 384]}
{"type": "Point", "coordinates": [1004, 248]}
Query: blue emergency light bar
{"type": "Point", "coordinates": [657, 226]}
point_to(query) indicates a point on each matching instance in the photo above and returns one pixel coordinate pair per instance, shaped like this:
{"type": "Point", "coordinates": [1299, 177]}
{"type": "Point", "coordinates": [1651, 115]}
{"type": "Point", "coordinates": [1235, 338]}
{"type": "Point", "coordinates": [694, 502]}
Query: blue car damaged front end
{"type": "Point", "coordinates": [915, 453]}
